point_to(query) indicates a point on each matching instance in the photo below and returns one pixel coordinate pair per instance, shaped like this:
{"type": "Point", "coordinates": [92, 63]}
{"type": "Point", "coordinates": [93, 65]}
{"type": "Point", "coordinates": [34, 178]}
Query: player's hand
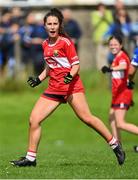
{"type": "Point", "coordinates": [130, 84]}
{"type": "Point", "coordinates": [68, 78]}
{"type": "Point", "coordinates": [106, 69]}
{"type": "Point", "coordinates": [33, 81]}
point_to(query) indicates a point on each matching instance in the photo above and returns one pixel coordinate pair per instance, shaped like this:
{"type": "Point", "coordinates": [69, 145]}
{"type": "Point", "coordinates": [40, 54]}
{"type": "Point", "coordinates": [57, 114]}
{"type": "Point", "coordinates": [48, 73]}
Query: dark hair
{"type": "Point", "coordinates": [120, 40]}
{"type": "Point", "coordinates": [57, 13]}
{"type": "Point", "coordinates": [117, 37]}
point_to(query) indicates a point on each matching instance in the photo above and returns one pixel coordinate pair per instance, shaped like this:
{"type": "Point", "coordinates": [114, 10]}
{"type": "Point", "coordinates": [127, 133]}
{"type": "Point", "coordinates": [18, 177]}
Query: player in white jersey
{"type": "Point", "coordinates": [65, 85]}
{"type": "Point", "coordinates": [132, 71]}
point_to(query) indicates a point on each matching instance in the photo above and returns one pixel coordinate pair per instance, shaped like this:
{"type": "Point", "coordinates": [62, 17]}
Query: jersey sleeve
{"type": "Point", "coordinates": [135, 58]}
{"type": "Point", "coordinates": [123, 59]}
{"type": "Point", "coordinates": [71, 53]}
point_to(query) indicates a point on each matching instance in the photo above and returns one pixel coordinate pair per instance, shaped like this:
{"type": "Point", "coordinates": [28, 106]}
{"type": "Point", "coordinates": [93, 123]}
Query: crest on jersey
{"type": "Point", "coordinates": [55, 52]}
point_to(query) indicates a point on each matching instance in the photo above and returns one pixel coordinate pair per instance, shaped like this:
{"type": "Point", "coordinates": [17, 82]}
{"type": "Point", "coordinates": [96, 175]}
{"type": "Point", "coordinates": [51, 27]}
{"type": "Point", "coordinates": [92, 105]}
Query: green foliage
{"type": "Point", "coordinates": [68, 148]}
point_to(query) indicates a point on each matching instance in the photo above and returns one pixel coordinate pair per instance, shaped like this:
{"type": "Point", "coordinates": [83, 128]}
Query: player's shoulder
{"type": "Point", "coordinates": [44, 43]}
{"type": "Point", "coordinates": [120, 55]}
{"type": "Point", "coordinates": [123, 57]}
{"type": "Point", "coordinates": [66, 40]}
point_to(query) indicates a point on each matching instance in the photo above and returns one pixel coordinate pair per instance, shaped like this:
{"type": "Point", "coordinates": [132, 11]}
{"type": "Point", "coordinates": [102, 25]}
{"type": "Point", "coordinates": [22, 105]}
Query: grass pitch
{"type": "Point", "coordinates": [68, 148]}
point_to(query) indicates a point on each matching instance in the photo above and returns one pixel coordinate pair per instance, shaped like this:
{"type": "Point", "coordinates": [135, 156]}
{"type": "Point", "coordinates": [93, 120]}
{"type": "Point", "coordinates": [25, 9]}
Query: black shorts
{"type": "Point", "coordinates": [55, 97]}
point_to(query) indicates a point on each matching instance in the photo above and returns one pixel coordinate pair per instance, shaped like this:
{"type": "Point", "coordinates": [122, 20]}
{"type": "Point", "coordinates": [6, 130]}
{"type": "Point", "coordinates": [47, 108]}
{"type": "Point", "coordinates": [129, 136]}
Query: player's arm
{"type": "Point", "coordinates": [132, 72]}
{"type": "Point", "coordinates": [74, 62]}
{"type": "Point", "coordinates": [120, 67]}
{"type": "Point", "coordinates": [44, 74]}
{"type": "Point", "coordinates": [35, 81]}
{"type": "Point", "coordinates": [73, 72]}
{"type": "Point", "coordinates": [123, 66]}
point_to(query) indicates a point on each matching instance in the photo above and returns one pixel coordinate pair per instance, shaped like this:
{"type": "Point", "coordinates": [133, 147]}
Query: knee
{"type": "Point", "coordinates": [120, 125]}
{"type": "Point", "coordinates": [34, 121]}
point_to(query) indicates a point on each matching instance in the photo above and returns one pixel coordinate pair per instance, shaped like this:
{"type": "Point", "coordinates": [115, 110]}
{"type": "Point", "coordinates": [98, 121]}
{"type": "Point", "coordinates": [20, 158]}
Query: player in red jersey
{"type": "Point", "coordinates": [121, 94]}
{"type": "Point", "coordinates": [65, 85]}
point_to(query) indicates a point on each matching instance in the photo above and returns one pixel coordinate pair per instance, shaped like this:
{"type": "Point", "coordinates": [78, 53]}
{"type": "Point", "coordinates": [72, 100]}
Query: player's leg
{"type": "Point", "coordinates": [122, 124]}
{"type": "Point", "coordinates": [42, 109]}
{"type": "Point", "coordinates": [79, 104]}
{"type": "Point", "coordinates": [112, 122]}
{"type": "Point", "coordinates": [80, 107]}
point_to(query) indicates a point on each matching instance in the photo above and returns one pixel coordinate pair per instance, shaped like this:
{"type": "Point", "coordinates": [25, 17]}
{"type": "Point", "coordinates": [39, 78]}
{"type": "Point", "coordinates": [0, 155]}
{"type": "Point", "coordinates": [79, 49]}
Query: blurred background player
{"type": "Point", "coordinates": [72, 28]}
{"type": "Point", "coordinates": [132, 70]}
{"type": "Point", "coordinates": [134, 64]}
{"type": "Point", "coordinates": [32, 35]}
{"type": "Point", "coordinates": [121, 26]}
{"type": "Point", "coordinates": [121, 94]}
{"type": "Point", "coordinates": [65, 85]}
{"type": "Point", "coordinates": [101, 20]}
{"type": "Point", "coordinates": [119, 4]}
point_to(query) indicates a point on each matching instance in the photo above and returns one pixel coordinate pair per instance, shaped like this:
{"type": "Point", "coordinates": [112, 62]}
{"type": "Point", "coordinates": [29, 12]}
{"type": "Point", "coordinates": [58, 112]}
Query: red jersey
{"type": "Point", "coordinates": [60, 57]}
{"type": "Point", "coordinates": [120, 93]}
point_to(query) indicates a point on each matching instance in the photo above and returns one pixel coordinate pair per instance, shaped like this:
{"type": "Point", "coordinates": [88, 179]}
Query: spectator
{"type": "Point", "coordinates": [5, 24]}
{"type": "Point", "coordinates": [25, 32]}
{"type": "Point", "coordinates": [119, 4]}
{"type": "Point", "coordinates": [101, 19]}
{"type": "Point", "coordinates": [121, 26]}
{"type": "Point", "coordinates": [38, 35]}
{"type": "Point", "coordinates": [134, 33]}
{"type": "Point", "coordinates": [32, 35]}
{"type": "Point", "coordinates": [17, 15]}
{"type": "Point", "coordinates": [11, 38]}
{"type": "Point", "coordinates": [72, 27]}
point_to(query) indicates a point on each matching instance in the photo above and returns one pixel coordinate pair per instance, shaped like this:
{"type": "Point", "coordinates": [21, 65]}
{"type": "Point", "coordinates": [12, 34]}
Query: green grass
{"type": "Point", "coordinates": [68, 148]}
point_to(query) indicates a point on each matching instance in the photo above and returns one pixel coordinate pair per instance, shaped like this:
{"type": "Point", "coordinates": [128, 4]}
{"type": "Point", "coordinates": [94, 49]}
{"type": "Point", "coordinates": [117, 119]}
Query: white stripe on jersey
{"type": "Point", "coordinates": [76, 62]}
{"type": "Point", "coordinates": [118, 74]}
{"type": "Point", "coordinates": [57, 62]}
{"type": "Point", "coordinates": [134, 63]}
{"type": "Point", "coordinates": [63, 62]}
{"type": "Point", "coordinates": [122, 61]}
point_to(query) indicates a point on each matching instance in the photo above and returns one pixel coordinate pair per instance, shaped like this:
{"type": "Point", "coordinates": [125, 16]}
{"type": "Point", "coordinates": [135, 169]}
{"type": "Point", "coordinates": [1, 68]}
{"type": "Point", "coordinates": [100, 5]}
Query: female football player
{"type": "Point", "coordinates": [121, 91]}
{"type": "Point", "coordinates": [65, 85]}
